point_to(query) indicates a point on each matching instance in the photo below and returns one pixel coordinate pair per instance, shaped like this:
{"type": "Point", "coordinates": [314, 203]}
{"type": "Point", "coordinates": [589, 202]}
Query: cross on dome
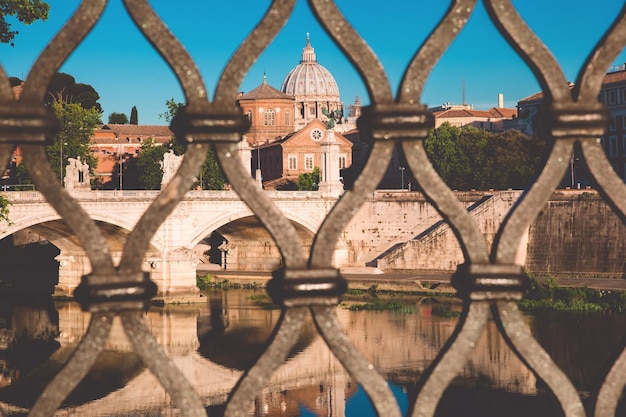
{"type": "Point", "coordinates": [308, 53]}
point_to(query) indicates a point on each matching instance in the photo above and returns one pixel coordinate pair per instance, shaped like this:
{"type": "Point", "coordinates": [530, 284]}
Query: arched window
{"type": "Point", "coordinates": [270, 117]}
{"type": "Point", "coordinates": [287, 119]}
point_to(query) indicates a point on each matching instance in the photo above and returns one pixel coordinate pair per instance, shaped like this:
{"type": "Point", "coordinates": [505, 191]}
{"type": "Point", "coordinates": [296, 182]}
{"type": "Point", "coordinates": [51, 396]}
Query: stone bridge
{"type": "Point", "coordinates": [178, 246]}
{"type": "Point", "coordinates": [394, 231]}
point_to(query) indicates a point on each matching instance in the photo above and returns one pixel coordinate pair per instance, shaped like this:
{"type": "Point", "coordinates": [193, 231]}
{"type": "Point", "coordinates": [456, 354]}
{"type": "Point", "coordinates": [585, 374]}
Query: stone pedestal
{"type": "Point", "coordinates": [330, 181]}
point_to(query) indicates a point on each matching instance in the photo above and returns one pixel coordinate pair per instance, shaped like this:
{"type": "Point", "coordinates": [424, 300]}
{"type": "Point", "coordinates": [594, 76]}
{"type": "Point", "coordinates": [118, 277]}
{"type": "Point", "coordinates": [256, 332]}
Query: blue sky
{"type": "Point", "coordinates": [126, 72]}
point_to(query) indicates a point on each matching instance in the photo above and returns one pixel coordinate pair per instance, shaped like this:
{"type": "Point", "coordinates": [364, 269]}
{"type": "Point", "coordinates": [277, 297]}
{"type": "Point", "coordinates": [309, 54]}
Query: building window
{"type": "Point", "coordinates": [270, 117]}
{"type": "Point", "coordinates": [308, 161]}
{"type": "Point", "coordinates": [613, 146]}
{"type": "Point", "coordinates": [287, 119]}
{"type": "Point", "coordinates": [623, 145]}
{"type": "Point", "coordinates": [623, 95]}
{"type": "Point", "coordinates": [249, 116]}
{"type": "Point", "coordinates": [292, 161]}
{"type": "Point", "coordinates": [613, 123]}
{"type": "Point", "coordinates": [612, 97]}
{"type": "Point", "coordinates": [342, 161]}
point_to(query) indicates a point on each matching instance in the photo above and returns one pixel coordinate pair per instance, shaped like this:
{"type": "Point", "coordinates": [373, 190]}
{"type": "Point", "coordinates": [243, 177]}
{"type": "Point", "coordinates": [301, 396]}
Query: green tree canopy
{"type": "Point", "coordinates": [64, 87]}
{"type": "Point", "coordinates": [118, 118]}
{"type": "Point", "coordinates": [77, 127]}
{"type": "Point", "coordinates": [134, 117]}
{"type": "Point", "coordinates": [150, 174]}
{"type": "Point", "coordinates": [211, 175]}
{"type": "Point", "coordinates": [26, 12]}
{"type": "Point", "coordinates": [471, 158]}
{"type": "Point", "coordinates": [15, 81]}
{"type": "Point", "coordinates": [309, 181]}
{"type": "Point", "coordinates": [447, 156]}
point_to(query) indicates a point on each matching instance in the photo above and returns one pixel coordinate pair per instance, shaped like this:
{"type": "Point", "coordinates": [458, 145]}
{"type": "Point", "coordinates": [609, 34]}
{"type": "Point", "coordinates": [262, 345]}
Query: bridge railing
{"type": "Point", "coordinates": [149, 195]}
{"type": "Point", "coordinates": [489, 281]}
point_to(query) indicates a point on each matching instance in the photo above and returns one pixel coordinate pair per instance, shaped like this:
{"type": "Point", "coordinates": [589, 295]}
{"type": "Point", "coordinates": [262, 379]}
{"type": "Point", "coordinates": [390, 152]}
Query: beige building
{"type": "Point", "coordinates": [114, 144]}
{"type": "Point", "coordinates": [492, 120]}
{"type": "Point", "coordinates": [290, 129]}
{"type": "Point", "coordinates": [282, 161]}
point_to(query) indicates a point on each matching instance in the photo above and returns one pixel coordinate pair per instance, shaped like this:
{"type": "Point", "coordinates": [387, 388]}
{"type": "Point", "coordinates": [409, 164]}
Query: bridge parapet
{"type": "Point", "coordinates": [115, 195]}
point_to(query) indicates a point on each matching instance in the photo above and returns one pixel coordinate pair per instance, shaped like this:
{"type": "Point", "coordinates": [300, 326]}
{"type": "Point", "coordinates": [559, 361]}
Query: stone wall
{"type": "Point", "coordinates": [391, 218]}
{"type": "Point", "coordinates": [437, 249]}
{"type": "Point", "coordinates": [577, 234]}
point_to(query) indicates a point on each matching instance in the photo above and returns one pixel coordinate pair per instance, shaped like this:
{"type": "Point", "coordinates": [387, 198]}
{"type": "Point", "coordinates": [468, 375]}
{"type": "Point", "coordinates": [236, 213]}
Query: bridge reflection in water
{"type": "Point", "coordinates": [212, 343]}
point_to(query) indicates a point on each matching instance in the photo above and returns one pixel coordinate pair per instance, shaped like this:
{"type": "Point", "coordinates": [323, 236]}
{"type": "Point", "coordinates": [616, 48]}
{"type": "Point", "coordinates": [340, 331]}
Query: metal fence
{"type": "Point", "coordinates": [489, 281]}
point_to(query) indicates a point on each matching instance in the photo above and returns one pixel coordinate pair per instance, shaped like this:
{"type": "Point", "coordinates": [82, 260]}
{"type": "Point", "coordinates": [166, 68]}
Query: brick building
{"type": "Point", "coordinates": [613, 95]}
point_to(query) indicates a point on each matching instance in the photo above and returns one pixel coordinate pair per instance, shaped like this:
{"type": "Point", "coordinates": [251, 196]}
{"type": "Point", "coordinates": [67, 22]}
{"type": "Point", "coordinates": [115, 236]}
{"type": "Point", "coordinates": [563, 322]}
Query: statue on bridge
{"type": "Point", "coordinates": [77, 174]}
{"type": "Point", "coordinates": [169, 166]}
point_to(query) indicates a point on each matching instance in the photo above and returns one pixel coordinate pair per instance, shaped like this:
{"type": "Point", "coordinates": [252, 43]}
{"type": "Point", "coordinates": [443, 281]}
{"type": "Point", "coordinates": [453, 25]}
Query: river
{"type": "Point", "coordinates": [212, 342]}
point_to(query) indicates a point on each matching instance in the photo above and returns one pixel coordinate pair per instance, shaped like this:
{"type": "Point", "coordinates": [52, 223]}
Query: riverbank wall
{"type": "Point", "coordinates": [576, 234]}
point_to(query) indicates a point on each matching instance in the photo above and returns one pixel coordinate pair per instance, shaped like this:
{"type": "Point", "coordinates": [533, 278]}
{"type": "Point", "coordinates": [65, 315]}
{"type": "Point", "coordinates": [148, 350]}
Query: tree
{"type": "Point", "coordinates": [150, 174]}
{"type": "Point", "coordinates": [64, 87]}
{"type": "Point", "coordinates": [134, 118]}
{"type": "Point", "coordinates": [77, 127]}
{"type": "Point", "coordinates": [118, 118]}
{"type": "Point", "coordinates": [447, 156]}
{"type": "Point", "coordinates": [512, 159]}
{"type": "Point", "coordinates": [309, 181]}
{"type": "Point", "coordinates": [4, 209]}
{"type": "Point", "coordinates": [471, 158]}
{"type": "Point", "coordinates": [172, 109]}
{"type": "Point", "coordinates": [15, 81]}
{"type": "Point", "coordinates": [26, 11]}
{"type": "Point", "coordinates": [211, 175]}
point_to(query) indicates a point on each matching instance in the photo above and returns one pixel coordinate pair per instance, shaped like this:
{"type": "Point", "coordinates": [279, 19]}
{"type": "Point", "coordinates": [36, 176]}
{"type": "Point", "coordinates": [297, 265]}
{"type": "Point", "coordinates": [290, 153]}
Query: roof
{"type": "Point", "coordinates": [462, 113]}
{"type": "Point", "coordinates": [613, 77]}
{"type": "Point", "coordinates": [503, 112]}
{"type": "Point", "coordinates": [265, 91]}
{"type": "Point", "coordinates": [539, 96]}
{"type": "Point", "coordinates": [310, 79]}
{"type": "Point", "coordinates": [138, 130]}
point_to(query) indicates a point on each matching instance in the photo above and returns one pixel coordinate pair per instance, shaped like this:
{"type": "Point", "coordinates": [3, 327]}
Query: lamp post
{"type": "Point", "coordinates": [61, 162]}
{"type": "Point", "coordinates": [402, 176]}
{"type": "Point", "coordinates": [121, 169]}
{"type": "Point", "coordinates": [258, 177]}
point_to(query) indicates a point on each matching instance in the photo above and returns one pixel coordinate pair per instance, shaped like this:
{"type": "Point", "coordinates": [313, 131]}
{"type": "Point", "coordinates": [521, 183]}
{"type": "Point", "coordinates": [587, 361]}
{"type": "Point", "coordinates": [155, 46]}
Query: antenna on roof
{"type": "Point", "coordinates": [463, 89]}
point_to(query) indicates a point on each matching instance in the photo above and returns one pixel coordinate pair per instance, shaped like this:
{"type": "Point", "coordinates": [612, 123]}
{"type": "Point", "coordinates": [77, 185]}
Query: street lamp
{"type": "Point", "coordinates": [121, 169]}
{"type": "Point", "coordinates": [402, 176]}
{"type": "Point", "coordinates": [61, 162]}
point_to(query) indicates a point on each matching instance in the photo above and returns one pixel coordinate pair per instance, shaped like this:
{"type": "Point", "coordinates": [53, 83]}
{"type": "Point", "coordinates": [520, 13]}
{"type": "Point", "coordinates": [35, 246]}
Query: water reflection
{"type": "Point", "coordinates": [212, 343]}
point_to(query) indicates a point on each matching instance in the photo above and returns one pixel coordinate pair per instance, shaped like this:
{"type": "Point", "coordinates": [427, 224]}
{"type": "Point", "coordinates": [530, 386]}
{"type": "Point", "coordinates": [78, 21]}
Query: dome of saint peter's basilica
{"type": "Point", "coordinates": [313, 87]}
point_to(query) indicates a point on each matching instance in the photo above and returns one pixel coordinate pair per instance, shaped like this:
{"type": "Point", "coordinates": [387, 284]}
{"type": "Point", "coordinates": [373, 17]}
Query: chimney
{"type": "Point", "coordinates": [500, 101]}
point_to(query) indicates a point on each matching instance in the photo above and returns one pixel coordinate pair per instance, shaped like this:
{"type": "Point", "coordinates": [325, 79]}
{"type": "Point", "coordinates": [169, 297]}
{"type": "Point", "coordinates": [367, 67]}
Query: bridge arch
{"type": "Point", "coordinates": [38, 223]}
{"type": "Point", "coordinates": [214, 224]}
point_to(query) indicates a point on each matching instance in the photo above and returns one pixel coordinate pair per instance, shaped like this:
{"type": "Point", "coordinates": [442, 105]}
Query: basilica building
{"type": "Point", "coordinates": [297, 128]}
